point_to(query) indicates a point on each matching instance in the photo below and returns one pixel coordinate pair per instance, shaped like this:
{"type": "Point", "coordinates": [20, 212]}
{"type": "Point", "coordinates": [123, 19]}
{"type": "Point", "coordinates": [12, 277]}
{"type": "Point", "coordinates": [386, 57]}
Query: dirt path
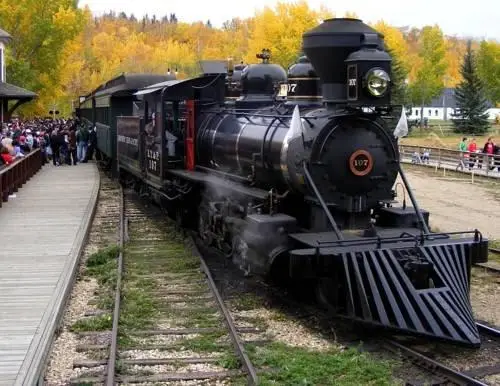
{"type": "Point", "coordinates": [456, 205]}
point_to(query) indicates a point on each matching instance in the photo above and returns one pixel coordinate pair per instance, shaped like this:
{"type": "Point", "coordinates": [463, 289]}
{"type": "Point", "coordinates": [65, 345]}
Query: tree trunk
{"type": "Point", "coordinates": [422, 116]}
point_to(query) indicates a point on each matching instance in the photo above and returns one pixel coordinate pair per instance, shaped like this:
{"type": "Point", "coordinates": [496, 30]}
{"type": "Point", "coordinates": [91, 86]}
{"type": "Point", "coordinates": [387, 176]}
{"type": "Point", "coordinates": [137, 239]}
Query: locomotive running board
{"type": "Point", "coordinates": [380, 292]}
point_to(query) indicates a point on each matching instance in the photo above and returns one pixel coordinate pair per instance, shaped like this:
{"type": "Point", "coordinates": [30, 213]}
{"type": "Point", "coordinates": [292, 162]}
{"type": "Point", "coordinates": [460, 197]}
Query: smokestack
{"type": "Point", "coordinates": [328, 45]}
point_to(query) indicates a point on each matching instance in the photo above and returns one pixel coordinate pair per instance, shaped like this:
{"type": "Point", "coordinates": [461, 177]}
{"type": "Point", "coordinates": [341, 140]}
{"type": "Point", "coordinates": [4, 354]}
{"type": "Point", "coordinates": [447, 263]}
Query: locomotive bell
{"type": "Point", "coordinates": [368, 74]}
{"type": "Point", "coordinates": [328, 45]}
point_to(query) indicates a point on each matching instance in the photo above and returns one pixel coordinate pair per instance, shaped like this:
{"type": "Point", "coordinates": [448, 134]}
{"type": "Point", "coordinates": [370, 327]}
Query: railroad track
{"type": "Point", "coordinates": [488, 330]}
{"type": "Point", "coordinates": [442, 373]}
{"type": "Point", "coordinates": [148, 353]}
{"type": "Point", "coordinates": [168, 315]}
{"type": "Point", "coordinates": [493, 268]}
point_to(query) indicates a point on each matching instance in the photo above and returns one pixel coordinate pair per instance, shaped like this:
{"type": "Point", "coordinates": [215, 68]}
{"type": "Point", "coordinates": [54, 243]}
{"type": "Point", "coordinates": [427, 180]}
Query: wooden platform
{"type": "Point", "coordinates": [42, 232]}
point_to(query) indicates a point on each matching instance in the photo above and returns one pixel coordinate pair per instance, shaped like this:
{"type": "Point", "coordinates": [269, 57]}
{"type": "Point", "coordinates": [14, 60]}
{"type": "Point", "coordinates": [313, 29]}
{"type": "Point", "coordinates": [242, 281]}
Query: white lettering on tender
{"type": "Point", "coordinates": [128, 140]}
{"type": "Point", "coordinates": [153, 157]}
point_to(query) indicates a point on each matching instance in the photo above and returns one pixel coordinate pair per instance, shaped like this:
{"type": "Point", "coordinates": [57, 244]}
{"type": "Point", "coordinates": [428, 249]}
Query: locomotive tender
{"type": "Point", "coordinates": [305, 189]}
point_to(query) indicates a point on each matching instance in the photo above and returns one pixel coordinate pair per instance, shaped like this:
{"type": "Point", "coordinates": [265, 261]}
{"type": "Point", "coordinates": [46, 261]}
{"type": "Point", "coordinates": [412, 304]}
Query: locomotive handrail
{"type": "Point", "coordinates": [404, 237]}
{"type": "Point", "coordinates": [251, 111]}
{"type": "Point", "coordinates": [322, 202]}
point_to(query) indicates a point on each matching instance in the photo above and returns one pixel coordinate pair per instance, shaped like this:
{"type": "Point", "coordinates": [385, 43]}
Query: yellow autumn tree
{"type": "Point", "coordinates": [455, 51]}
{"type": "Point", "coordinates": [281, 29]}
{"type": "Point", "coordinates": [40, 30]}
{"type": "Point", "coordinates": [397, 46]}
{"type": "Point", "coordinates": [80, 51]}
{"type": "Point", "coordinates": [395, 41]}
{"type": "Point", "coordinates": [431, 66]}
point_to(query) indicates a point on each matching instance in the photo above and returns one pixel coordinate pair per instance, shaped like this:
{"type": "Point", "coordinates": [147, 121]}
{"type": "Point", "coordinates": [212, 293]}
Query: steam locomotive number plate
{"type": "Point", "coordinates": [361, 163]}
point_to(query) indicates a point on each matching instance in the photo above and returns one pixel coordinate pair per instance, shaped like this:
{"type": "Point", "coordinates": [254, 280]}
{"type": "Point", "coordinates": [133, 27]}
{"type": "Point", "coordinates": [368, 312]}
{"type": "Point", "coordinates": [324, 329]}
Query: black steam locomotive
{"type": "Point", "coordinates": [303, 188]}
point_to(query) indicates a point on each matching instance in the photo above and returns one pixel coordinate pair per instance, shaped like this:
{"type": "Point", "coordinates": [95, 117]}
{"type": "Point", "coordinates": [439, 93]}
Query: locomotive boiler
{"type": "Point", "coordinates": [305, 189]}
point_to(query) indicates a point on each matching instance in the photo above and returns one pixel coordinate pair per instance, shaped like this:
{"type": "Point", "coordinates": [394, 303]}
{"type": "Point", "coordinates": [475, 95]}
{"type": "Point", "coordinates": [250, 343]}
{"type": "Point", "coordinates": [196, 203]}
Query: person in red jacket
{"type": "Point", "coordinates": [472, 148]}
{"type": "Point", "coordinates": [6, 157]}
{"type": "Point", "coordinates": [488, 150]}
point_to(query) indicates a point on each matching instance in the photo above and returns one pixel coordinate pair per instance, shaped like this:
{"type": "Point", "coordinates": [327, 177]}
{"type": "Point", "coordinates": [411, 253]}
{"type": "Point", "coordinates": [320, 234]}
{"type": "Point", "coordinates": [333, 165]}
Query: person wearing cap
{"type": "Point", "coordinates": [29, 138]}
{"type": "Point", "coordinates": [23, 145]}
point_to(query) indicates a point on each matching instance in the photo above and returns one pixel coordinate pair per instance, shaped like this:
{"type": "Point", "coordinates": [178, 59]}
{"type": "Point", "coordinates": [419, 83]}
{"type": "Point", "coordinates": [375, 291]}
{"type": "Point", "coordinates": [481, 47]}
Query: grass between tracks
{"type": "Point", "coordinates": [101, 266]}
{"type": "Point", "coordinates": [300, 366]}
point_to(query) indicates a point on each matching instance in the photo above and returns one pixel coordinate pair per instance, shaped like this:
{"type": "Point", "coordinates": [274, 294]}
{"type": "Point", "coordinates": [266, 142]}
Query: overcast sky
{"type": "Point", "coordinates": [479, 18]}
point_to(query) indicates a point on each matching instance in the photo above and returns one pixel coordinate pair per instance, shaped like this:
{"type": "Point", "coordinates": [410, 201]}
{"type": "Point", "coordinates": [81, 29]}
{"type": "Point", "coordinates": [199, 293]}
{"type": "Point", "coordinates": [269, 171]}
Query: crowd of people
{"type": "Point", "coordinates": [62, 141]}
{"type": "Point", "coordinates": [470, 154]}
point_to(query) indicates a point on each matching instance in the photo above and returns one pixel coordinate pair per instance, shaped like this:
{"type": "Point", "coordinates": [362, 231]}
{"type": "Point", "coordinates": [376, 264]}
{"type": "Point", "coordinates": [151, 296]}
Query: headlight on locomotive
{"type": "Point", "coordinates": [370, 69]}
{"type": "Point", "coordinates": [377, 82]}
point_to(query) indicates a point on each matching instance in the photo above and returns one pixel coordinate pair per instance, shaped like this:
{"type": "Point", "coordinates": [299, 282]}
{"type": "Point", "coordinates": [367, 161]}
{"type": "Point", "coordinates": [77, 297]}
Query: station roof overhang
{"type": "Point", "coordinates": [10, 92]}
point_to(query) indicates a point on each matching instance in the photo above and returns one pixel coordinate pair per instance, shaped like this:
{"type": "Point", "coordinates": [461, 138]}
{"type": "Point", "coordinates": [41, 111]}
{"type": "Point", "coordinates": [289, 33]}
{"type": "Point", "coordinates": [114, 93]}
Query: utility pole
{"type": "Point", "coordinates": [405, 97]}
{"type": "Point", "coordinates": [445, 109]}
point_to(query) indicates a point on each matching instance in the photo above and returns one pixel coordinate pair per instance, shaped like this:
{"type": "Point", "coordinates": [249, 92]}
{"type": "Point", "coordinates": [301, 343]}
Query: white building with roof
{"type": "Point", "coordinates": [442, 108]}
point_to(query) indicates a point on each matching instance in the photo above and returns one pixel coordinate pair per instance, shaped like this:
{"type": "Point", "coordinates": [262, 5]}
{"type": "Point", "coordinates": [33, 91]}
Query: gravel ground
{"type": "Point", "coordinates": [94, 371]}
{"type": "Point", "coordinates": [188, 383]}
{"type": "Point", "coordinates": [159, 354]}
{"type": "Point", "coordinates": [64, 349]}
{"type": "Point", "coordinates": [164, 339]}
{"type": "Point", "coordinates": [485, 293]}
{"type": "Point", "coordinates": [162, 369]}
{"type": "Point", "coordinates": [455, 205]}
{"type": "Point", "coordinates": [284, 330]}
{"type": "Point", "coordinates": [458, 205]}
{"type": "Point", "coordinates": [493, 380]}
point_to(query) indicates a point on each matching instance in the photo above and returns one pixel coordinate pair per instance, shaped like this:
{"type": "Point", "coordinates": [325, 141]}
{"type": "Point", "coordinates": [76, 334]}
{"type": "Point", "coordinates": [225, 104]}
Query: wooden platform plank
{"type": "Point", "coordinates": [47, 222]}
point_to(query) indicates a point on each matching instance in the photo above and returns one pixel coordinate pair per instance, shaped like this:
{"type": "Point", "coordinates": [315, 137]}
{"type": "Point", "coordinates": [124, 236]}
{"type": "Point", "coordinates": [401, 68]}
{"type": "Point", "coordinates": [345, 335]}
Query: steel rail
{"type": "Point", "coordinates": [490, 268]}
{"type": "Point", "coordinates": [110, 377]}
{"type": "Point", "coordinates": [492, 331]}
{"type": "Point", "coordinates": [451, 374]}
{"type": "Point", "coordinates": [247, 363]}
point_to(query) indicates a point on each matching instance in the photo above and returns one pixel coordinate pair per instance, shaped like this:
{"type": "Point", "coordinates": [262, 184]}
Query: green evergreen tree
{"type": "Point", "coordinates": [399, 93]}
{"type": "Point", "coordinates": [471, 116]}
